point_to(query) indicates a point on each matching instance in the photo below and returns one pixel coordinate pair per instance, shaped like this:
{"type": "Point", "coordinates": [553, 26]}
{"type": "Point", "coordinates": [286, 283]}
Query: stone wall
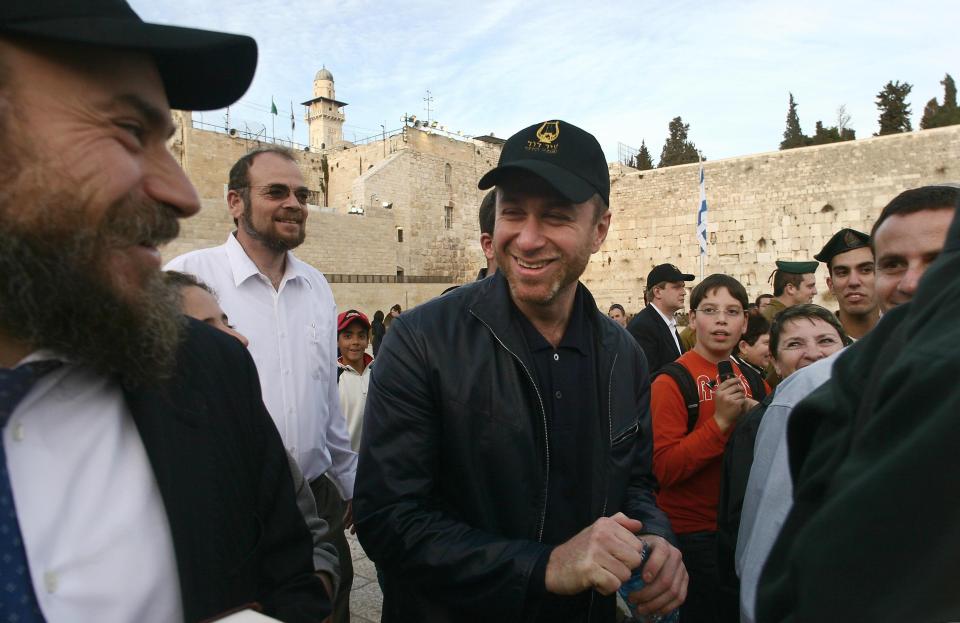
{"type": "Point", "coordinates": [764, 207]}
{"type": "Point", "coordinates": [368, 298]}
{"type": "Point", "coordinates": [417, 173]}
{"type": "Point", "coordinates": [761, 207]}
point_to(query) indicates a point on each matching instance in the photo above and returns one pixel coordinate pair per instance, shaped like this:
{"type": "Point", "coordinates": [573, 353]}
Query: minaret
{"type": "Point", "coordinates": [324, 117]}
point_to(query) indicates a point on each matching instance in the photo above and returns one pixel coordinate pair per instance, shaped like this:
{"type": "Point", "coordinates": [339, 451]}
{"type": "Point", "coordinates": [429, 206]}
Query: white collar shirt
{"type": "Point", "coordinates": [94, 528]}
{"type": "Point", "coordinates": [353, 399]}
{"type": "Point", "coordinates": [293, 340]}
{"type": "Point", "coordinates": [671, 325]}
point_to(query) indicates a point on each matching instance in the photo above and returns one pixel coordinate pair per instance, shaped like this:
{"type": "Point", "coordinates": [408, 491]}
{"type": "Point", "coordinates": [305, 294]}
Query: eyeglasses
{"type": "Point", "coordinates": [730, 312]}
{"type": "Point", "coordinates": [279, 192]}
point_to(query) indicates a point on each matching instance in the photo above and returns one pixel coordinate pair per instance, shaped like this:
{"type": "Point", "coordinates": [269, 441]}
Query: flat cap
{"type": "Point", "coordinates": [844, 240]}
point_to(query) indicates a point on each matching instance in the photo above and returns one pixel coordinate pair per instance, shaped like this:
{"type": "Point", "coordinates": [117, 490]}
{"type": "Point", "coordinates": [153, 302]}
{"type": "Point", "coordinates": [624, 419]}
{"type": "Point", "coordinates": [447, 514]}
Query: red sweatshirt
{"type": "Point", "coordinates": [688, 466]}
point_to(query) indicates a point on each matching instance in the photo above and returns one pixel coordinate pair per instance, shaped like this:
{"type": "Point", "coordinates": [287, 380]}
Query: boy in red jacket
{"type": "Point", "coordinates": [688, 464]}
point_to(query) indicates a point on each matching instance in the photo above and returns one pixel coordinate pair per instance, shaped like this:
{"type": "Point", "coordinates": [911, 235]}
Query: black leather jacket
{"type": "Point", "coordinates": [451, 487]}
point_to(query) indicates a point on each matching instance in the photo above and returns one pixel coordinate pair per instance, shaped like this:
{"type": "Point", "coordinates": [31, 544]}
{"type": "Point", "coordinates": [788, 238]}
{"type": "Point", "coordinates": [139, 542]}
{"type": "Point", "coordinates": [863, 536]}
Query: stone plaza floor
{"type": "Point", "coordinates": [366, 600]}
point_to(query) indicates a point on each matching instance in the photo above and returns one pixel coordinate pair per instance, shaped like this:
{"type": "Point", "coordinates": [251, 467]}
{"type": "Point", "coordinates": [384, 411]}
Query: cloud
{"type": "Point", "coordinates": [621, 70]}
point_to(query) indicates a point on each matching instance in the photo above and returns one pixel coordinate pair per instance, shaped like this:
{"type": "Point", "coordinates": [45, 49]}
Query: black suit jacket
{"type": "Point", "coordinates": [654, 337]}
{"type": "Point", "coordinates": [222, 472]}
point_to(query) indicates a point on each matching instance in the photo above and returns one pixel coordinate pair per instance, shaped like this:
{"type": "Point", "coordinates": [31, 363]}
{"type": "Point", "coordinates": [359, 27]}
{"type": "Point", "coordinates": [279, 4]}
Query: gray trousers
{"type": "Point", "coordinates": [330, 507]}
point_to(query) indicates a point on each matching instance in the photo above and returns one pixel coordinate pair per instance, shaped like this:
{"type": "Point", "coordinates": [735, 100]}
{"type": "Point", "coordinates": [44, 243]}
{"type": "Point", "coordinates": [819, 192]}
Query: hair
{"type": "Point", "coordinates": [917, 200]}
{"type": "Point", "coordinates": [180, 280]}
{"type": "Point", "coordinates": [648, 293]}
{"type": "Point", "coordinates": [810, 312]}
{"type": "Point", "coordinates": [599, 207]}
{"type": "Point", "coordinates": [239, 179]}
{"type": "Point", "coordinates": [762, 296]}
{"type": "Point", "coordinates": [715, 282]}
{"type": "Point", "coordinates": [782, 279]}
{"type": "Point", "coordinates": [488, 212]}
{"type": "Point", "coordinates": [397, 307]}
{"type": "Point", "coordinates": [378, 317]}
{"type": "Point", "coordinates": [618, 306]}
{"type": "Point", "coordinates": [757, 326]}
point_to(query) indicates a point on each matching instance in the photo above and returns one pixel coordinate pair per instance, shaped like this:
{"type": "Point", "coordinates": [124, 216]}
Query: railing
{"type": "Point", "coordinates": [378, 137]}
{"type": "Point", "coordinates": [259, 136]}
{"type": "Point", "coordinates": [340, 278]}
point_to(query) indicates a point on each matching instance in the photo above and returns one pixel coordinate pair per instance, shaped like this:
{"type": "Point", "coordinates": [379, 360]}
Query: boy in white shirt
{"type": "Point", "coordinates": [353, 374]}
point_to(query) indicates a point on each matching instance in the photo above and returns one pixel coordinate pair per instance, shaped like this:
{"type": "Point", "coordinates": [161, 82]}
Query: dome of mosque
{"type": "Point", "coordinates": [324, 74]}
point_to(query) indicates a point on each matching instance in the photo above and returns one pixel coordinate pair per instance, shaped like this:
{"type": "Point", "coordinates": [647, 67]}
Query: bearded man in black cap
{"type": "Point", "coordinates": [141, 478]}
{"type": "Point", "coordinates": [505, 472]}
{"type": "Point", "coordinates": [849, 261]}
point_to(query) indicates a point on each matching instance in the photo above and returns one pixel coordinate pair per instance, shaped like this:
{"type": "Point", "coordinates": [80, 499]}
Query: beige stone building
{"type": "Point", "coordinates": [394, 220]}
{"type": "Point", "coordinates": [390, 221]}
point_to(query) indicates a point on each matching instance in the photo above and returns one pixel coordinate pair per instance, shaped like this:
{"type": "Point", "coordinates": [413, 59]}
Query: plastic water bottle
{"type": "Point", "coordinates": [634, 584]}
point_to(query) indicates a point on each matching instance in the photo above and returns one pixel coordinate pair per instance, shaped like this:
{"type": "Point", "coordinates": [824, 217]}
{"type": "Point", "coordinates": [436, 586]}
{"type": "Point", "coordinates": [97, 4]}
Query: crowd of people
{"type": "Point", "coordinates": [186, 443]}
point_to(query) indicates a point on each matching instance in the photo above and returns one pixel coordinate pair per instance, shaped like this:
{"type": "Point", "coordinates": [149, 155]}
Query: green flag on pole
{"type": "Point", "coordinates": [273, 107]}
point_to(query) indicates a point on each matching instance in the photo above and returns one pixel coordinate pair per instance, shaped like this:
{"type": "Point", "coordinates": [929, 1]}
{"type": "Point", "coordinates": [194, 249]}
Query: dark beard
{"type": "Point", "coordinates": [274, 243]}
{"type": "Point", "coordinates": [58, 291]}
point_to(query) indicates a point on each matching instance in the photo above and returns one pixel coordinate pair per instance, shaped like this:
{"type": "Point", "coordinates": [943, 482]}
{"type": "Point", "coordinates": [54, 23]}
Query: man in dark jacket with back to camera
{"type": "Point", "coordinates": [505, 466]}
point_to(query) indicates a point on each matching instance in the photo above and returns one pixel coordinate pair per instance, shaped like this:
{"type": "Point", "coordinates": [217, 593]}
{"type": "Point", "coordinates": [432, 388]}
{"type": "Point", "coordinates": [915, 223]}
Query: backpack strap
{"type": "Point", "coordinates": [754, 380]}
{"type": "Point", "coordinates": [688, 390]}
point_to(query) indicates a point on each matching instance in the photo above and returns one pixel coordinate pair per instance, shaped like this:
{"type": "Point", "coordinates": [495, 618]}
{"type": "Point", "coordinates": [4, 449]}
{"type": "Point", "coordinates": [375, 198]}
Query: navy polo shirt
{"type": "Point", "coordinates": [566, 380]}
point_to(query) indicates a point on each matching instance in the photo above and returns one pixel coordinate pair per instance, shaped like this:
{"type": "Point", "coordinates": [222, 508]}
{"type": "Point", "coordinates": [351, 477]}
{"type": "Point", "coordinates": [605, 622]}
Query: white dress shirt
{"type": "Point", "coordinates": [671, 324]}
{"type": "Point", "coordinates": [353, 398]}
{"type": "Point", "coordinates": [94, 527]}
{"type": "Point", "coordinates": [293, 340]}
{"type": "Point", "coordinates": [769, 495]}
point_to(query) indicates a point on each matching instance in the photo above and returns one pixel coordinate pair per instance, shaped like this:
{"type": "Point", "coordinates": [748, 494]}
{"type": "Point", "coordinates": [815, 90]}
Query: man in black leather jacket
{"type": "Point", "coordinates": [505, 466]}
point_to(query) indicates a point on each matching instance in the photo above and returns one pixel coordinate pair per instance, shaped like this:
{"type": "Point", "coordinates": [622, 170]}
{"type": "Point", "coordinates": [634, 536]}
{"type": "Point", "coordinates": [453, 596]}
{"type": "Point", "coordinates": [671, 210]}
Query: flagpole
{"type": "Point", "coordinates": [701, 215]}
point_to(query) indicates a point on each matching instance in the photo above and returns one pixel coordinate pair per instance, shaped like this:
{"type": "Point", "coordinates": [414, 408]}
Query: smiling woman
{"type": "Point", "coordinates": [803, 334]}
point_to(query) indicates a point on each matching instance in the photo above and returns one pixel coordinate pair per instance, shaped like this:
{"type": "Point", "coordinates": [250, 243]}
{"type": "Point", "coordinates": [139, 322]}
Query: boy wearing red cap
{"type": "Point", "coordinates": [353, 375]}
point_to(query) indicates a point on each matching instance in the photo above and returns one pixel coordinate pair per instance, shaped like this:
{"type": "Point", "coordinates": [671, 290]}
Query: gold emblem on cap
{"type": "Point", "coordinates": [850, 239]}
{"type": "Point", "coordinates": [548, 132]}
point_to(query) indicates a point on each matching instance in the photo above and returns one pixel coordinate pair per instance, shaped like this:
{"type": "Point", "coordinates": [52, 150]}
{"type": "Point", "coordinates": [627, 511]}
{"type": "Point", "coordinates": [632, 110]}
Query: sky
{"type": "Point", "coordinates": [620, 70]}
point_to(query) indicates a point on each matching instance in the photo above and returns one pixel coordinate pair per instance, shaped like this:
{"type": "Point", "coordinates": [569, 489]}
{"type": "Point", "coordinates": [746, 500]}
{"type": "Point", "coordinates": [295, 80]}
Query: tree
{"type": "Point", "coordinates": [677, 149]}
{"type": "Point", "coordinates": [936, 115]}
{"type": "Point", "coordinates": [793, 136]}
{"type": "Point", "coordinates": [843, 118]}
{"type": "Point", "coordinates": [832, 134]}
{"type": "Point", "coordinates": [894, 109]}
{"type": "Point", "coordinates": [642, 160]}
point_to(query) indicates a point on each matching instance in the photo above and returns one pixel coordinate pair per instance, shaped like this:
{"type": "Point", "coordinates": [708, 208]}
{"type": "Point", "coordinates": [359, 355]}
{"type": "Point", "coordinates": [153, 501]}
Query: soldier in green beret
{"type": "Point", "coordinates": [794, 283]}
{"type": "Point", "coordinates": [851, 269]}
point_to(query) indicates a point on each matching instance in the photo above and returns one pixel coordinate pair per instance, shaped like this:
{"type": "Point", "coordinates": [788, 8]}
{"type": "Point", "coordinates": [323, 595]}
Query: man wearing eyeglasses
{"type": "Point", "coordinates": [286, 309]}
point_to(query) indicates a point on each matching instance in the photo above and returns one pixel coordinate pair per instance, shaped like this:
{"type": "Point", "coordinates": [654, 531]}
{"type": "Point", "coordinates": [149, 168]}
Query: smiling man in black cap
{"type": "Point", "coordinates": [505, 471]}
{"type": "Point", "coordinates": [141, 478]}
{"type": "Point", "coordinates": [655, 327]}
{"type": "Point", "coordinates": [850, 264]}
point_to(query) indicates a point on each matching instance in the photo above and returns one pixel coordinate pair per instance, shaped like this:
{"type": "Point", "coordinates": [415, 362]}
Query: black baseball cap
{"type": "Point", "coordinates": [200, 69]}
{"type": "Point", "coordinates": [668, 273]}
{"type": "Point", "coordinates": [568, 158]}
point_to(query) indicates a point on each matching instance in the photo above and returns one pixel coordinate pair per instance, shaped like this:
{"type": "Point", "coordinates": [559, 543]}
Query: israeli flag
{"type": "Point", "coordinates": [702, 216]}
